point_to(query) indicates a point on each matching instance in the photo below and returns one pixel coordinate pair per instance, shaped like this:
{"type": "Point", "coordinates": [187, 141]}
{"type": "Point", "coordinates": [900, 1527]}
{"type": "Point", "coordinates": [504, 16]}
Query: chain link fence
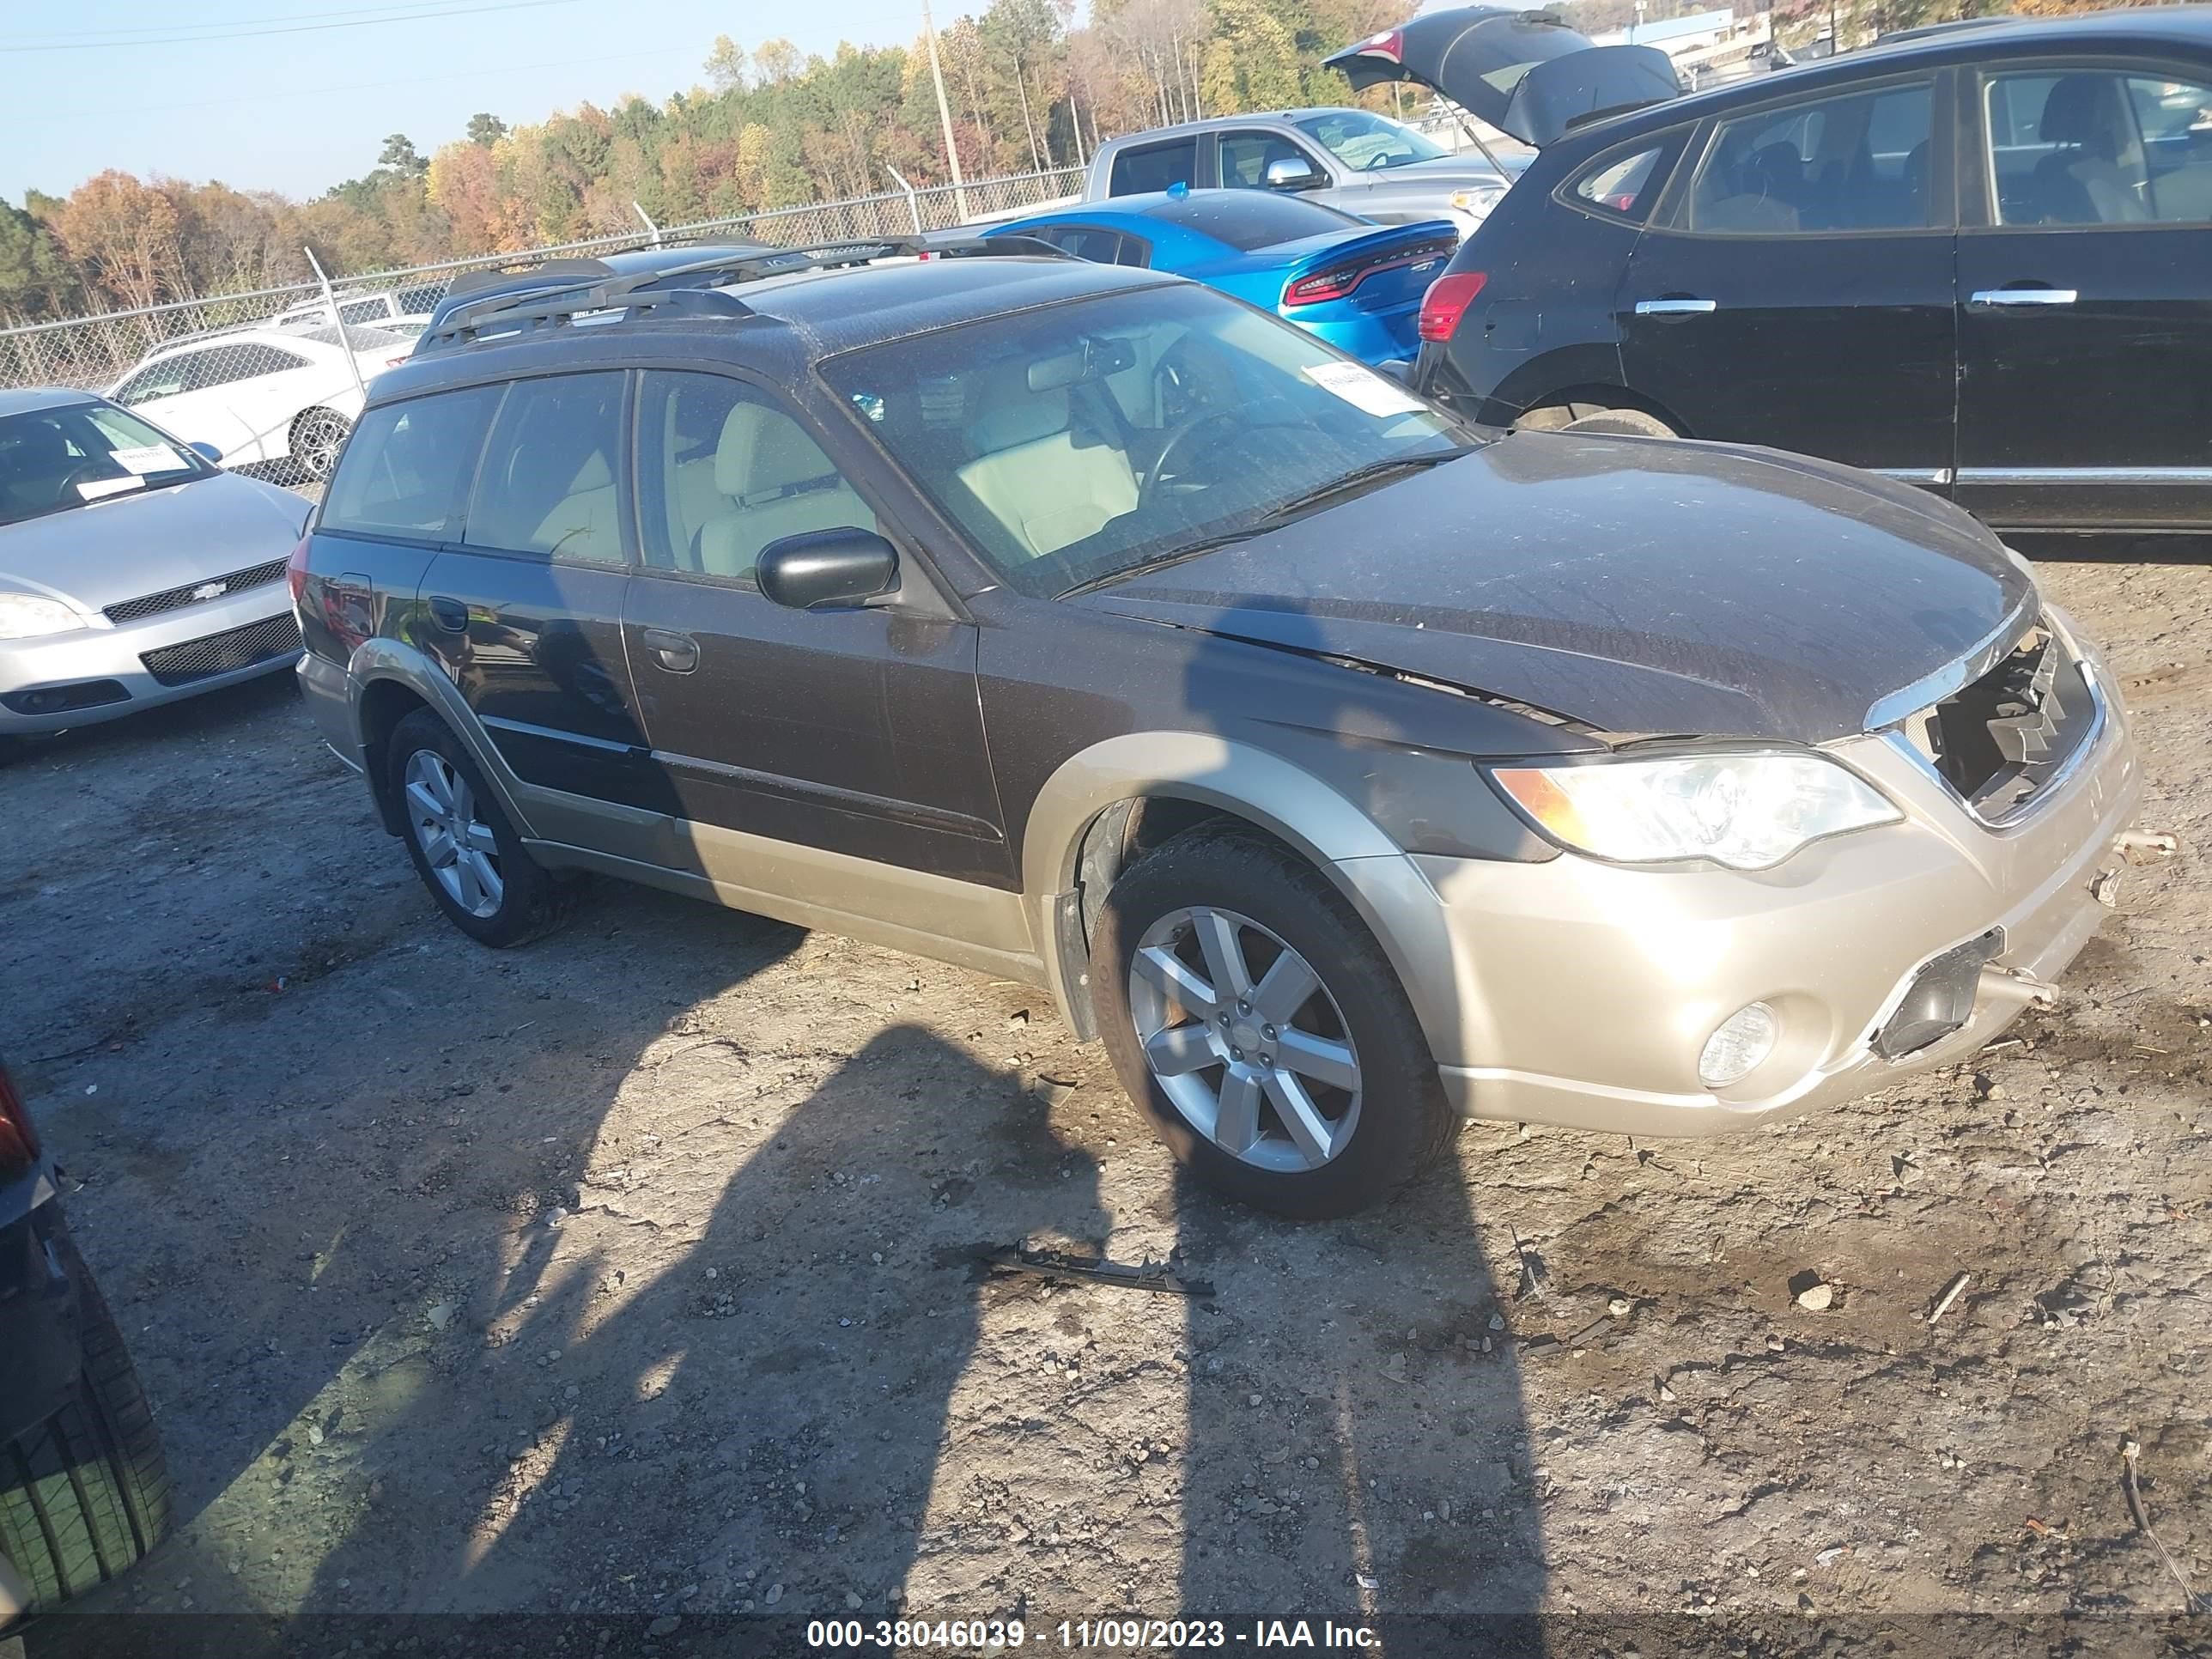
{"type": "Point", "coordinates": [270, 376]}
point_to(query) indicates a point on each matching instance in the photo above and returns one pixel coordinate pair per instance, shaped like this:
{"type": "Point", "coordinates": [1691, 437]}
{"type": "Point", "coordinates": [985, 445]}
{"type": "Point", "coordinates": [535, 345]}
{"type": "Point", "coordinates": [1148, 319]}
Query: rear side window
{"type": "Point", "coordinates": [1623, 184]}
{"type": "Point", "coordinates": [1092, 242]}
{"type": "Point", "coordinates": [407, 467]}
{"type": "Point", "coordinates": [1154, 167]}
{"type": "Point", "coordinates": [1857, 162]}
{"type": "Point", "coordinates": [1246, 219]}
{"type": "Point", "coordinates": [547, 484]}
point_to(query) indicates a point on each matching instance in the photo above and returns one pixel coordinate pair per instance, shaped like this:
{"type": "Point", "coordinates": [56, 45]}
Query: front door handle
{"type": "Point", "coordinates": [676, 652]}
{"type": "Point", "coordinates": [2024, 296]}
{"type": "Point", "coordinates": [449, 614]}
{"type": "Point", "coordinates": [1676, 308]}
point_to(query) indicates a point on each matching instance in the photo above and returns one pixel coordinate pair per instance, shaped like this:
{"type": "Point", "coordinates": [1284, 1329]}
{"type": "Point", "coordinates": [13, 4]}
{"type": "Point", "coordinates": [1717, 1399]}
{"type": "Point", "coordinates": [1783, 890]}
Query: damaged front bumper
{"type": "Point", "coordinates": [1582, 994]}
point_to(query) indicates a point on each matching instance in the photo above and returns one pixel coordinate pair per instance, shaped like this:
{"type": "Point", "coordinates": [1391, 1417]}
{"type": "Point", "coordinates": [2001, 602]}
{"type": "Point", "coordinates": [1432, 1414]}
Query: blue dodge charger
{"type": "Point", "coordinates": [1355, 284]}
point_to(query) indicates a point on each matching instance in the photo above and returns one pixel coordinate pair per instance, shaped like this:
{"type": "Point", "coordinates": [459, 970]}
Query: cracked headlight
{"type": "Point", "coordinates": [28, 615]}
{"type": "Point", "coordinates": [1746, 810]}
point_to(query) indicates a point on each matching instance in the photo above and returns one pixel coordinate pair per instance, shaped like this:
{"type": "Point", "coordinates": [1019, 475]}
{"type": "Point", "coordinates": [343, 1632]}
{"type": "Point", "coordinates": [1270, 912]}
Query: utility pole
{"type": "Point", "coordinates": [945, 115]}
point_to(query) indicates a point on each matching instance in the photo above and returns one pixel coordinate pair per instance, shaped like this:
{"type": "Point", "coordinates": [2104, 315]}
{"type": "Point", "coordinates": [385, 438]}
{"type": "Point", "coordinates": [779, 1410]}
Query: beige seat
{"type": "Point", "coordinates": [1037, 477]}
{"type": "Point", "coordinates": [587, 525]}
{"type": "Point", "coordinates": [774, 481]}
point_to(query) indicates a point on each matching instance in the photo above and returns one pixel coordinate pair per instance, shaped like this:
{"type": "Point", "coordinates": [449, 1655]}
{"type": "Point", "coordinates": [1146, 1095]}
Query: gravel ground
{"type": "Point", "coordinates": [629, 1273]}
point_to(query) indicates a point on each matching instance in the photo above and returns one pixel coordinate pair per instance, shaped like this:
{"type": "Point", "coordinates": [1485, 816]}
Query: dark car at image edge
{"type": "Point", "coordinates": [1348, 770]}
{"type": "Point", "coordinates": [84, 1492]}
{"type": "Point", "coordinates": [1979, 261]}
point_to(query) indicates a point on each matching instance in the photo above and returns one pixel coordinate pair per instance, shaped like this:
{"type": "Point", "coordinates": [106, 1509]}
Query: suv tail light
{"type": "Point", "coordinates": [1447, 302]}
{"type": "Point", "coordinates": [19, 1147]}
{"type": "Point", "coordinates": [295, 569]}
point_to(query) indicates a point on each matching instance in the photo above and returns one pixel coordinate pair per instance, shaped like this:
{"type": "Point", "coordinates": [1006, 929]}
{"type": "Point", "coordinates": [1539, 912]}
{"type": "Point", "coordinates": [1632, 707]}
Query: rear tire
{"type": "Point", "coordinates": [1355, 1026]}
{"type": "Point", "coordinates": [318, 434]}
{"type": "Point", "coordinates": [85, 1494]}
{"type": "Point", "coordinates": [462, 845]}
{"type": "Point", "coordinates": [1620, 422]}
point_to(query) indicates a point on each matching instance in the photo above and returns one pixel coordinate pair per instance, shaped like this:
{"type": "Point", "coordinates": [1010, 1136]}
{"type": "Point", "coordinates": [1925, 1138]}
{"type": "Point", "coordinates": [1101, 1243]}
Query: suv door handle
{"type": "Point", "coordinates": [449, 614]}
{"type": "Point", "coordinates": [2024, 296]}
{"type": "Point", "coordinates": [1678, 308]}
{"type": "Point", "coordinates": [676, 652]}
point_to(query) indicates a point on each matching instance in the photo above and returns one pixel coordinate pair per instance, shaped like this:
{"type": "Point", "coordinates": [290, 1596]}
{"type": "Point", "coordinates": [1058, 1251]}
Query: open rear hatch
{"type": "Point", "coordinates": [1524, 72]}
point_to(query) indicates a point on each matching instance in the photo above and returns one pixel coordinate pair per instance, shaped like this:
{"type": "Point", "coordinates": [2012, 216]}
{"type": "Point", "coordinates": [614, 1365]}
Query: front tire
{"type": "Point", "coordinates": [466, 852]}
{"type": "Point", "coordinates": [1248, 1009]}
{"type": "Point", "coordinates": [85, 1494]}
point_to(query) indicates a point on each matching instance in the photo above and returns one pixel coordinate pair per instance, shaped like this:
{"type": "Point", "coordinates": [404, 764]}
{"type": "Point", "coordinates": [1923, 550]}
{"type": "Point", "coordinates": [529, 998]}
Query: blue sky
{"type": "Point", "coordinates": [291, 103]}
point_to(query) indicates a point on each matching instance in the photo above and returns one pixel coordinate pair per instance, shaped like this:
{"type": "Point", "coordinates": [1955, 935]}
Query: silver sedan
{"type": "Point", "coordinates": [133, 571]}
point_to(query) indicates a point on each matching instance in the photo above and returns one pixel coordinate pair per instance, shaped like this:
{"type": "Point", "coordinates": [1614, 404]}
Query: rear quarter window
{"type": "Point", "coordinates": [407, 469]}
{"type": "Point", "coordinates": [1153, 166]}
{"type": "Point", "coordinates": [1624, 184]}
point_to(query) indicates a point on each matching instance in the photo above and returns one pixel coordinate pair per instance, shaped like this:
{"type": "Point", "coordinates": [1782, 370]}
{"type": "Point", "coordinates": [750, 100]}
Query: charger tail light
{"type": "Point", "coordinates": [1447, 302]}
{"type": "Point", "coordinates": [19, 1146]}
{"type": "Point", "coordinates": [1337, 280]}
{"type": "Point", "coordinates": [295, 569]}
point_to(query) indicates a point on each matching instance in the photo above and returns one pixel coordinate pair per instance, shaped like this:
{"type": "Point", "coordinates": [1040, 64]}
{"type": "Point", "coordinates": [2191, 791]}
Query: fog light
{"type": "Point", "coordinates": [1745, 1038]}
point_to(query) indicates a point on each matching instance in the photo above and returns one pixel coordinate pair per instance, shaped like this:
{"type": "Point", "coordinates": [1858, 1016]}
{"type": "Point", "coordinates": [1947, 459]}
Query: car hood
{"type": "Point", "coordinates": [127, 546]}
{"type": "Point", "coordinates": [1638, 587]}
{"type": "Point", "coordinates": [1525, 72]}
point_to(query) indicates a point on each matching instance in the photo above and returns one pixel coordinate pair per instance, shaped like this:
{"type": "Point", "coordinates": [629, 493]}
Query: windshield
{"type": "Point", "coordinates": [1081, 441]}
{"type": "Point", "coordinates": [1364, 143]}
{"type": "Point", "coordinates": [52, 459]}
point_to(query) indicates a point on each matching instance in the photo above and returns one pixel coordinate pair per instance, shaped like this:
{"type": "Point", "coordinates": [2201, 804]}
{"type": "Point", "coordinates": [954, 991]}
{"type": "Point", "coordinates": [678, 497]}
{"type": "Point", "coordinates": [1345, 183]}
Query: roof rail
{"type": "Point", "coordinates": [677, 291]}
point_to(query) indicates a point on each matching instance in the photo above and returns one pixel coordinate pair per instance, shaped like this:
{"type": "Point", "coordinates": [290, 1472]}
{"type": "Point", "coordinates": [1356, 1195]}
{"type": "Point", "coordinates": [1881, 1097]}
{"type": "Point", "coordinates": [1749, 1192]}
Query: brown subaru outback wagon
{"type": "Point", "coordinates": [1345, 768]}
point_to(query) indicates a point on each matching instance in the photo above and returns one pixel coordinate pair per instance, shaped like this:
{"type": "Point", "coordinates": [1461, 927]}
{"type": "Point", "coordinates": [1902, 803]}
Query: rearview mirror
{"type": "Point", "coordinates": [821, 567]}
{"type": "Point", "coordinates": [207, 452]}
{"type": "Point", "coordinates": [1290, 172]}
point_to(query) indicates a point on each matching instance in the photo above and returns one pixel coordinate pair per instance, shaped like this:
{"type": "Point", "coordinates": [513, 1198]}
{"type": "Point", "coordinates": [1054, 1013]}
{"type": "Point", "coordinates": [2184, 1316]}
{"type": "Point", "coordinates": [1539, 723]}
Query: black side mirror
{"type": "Point", "coordinates": [821, 567]}
{"type": "Point", "coordinates": [207, 452]}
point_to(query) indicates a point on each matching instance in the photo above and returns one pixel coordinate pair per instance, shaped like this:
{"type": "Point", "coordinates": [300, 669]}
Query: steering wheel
{"type": "Point", "coordinates": [1170, 450]}
{"type": "Point", "coordinates": [85, 473]}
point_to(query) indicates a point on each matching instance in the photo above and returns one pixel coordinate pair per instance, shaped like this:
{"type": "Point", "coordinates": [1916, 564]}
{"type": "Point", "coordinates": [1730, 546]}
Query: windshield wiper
{"type": "Point", "coordinates": [1358, 478]}
{"type": "Point", "coordinates": [1162, 561]}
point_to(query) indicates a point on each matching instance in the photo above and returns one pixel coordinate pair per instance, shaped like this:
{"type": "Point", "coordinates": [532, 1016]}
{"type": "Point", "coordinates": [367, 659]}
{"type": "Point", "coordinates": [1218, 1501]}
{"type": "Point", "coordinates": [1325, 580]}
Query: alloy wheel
{"type": "Point", "coordinates": [457, 844]}
{"type": "Point", "coordinates": [317, 444]}
{"type": "Point", "coordinates": [1245, 1039]}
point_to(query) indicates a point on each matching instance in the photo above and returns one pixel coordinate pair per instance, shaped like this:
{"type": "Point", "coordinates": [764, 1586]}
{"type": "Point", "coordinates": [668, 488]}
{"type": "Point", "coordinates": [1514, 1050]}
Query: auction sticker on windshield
{"type": "Point", "coordinates": [147, 458]}
{"type": "Point", "coordinates": [92, 489]}
{"type": "Point", "coordinates": [1363, 389]}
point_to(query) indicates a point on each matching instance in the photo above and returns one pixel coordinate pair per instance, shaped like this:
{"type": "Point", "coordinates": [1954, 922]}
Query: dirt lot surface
{"type": "Point", "coordinates": [629, 1273]}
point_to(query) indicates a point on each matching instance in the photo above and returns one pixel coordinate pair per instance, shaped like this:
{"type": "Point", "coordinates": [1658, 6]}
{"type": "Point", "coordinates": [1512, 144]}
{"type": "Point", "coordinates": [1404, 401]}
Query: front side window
{"type": "Point", "coordinates": [406, 469]}
{"type": "Point", "coordinates": [54, 459]}
{"type": "Point", "coordinates": [1859, 162]}
{"type": "Point", "coordinates": [1154, 167]}
{"type": "Point", "coordinates": [2098, 146]}
{"type": "Point", "coordinates": [723, 472]}
{"type": "Point", "coordinates": [1076, 444]}
{"type": "Point", "coordinates": [1366, 143]}
{"type": "Point", "coordinates": [169, 378]}
{"type": "Point", "coordinates": [548, 481]}
{"type": "Point", "coordinates": [1245, 157]}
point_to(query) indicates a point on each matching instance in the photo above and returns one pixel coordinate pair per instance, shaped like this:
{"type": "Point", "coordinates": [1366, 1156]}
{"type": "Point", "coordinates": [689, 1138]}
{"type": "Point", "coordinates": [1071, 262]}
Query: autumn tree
{"type": "Point", "coordinates": [124, 234]}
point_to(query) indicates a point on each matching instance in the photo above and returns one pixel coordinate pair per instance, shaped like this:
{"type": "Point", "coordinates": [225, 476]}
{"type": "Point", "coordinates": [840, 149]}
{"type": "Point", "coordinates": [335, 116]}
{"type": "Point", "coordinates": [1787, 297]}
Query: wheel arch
{"type": "Point", "coordinates": [1610, 395]}
{"type": "Point", "coordinates": [1105, 807]}
{"type": "Point", "coordinates": [391, 681]}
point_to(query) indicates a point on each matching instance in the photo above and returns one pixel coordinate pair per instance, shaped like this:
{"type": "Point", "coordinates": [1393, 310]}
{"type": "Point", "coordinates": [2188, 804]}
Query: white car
{"type": "Point", "coordinates": [262, 393]}
{"type": "Point", "coordinates": [404, 311]}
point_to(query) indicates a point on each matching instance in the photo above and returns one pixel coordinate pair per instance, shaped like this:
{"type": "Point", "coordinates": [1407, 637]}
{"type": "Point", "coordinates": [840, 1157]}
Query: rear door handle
{"type": "Point", "coordinates": [2024, 296]}
{"type": "Point", "coordinates": [1676, 308]}
{"type": "Point", "coordinates": [449, 614]}
{"type": "Point", "coordinates": [676, 652]}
